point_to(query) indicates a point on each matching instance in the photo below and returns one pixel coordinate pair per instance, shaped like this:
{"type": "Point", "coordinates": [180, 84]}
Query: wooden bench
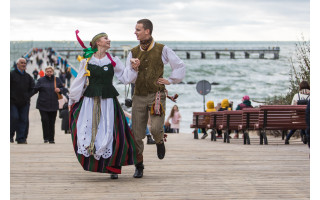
{"type": "Point", "coordinates": [231, 121]}
{"type": "Point", "coordinates": [200, 120]}
{"type": "Point", "coordinates": [280, 117]}
{"type": "Point", "coordinates": [216, 119]}
{"type": "Point", "coordinates": [250, 119]}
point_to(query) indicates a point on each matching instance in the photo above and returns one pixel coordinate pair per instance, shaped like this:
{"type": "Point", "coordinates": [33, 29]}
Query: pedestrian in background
{"type": "Point", "coordinates": [21, 86]}
{"type": "Point", "coordinates": [47, 102]}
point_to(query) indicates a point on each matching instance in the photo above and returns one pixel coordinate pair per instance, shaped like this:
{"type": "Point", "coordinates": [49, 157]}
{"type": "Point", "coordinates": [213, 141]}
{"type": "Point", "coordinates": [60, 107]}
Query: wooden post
{"type": "Point", "coordinates": [276, 55]}
{"type": "Point", "coordinates": [188, 55]}
{"type": "Point", "coordinates": [232, 55]}
{"type": "Point", "coordinates": [246, 55]}
{"type": "Point", "coordinates": [217, 55]}
{"type": "Point", "coordinates": [203, 55]}
{"type": "Point", "coordinates": [261, 55]}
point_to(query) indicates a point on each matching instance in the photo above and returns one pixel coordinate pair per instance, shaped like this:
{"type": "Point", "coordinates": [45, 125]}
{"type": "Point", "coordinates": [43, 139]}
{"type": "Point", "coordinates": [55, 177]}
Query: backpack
{"type": "Point", "coordinates": [302, 101]}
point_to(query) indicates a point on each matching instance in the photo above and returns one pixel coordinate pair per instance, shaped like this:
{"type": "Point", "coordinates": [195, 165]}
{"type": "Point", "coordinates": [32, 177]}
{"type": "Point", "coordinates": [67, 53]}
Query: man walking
{"type": "Point", "coordinates": [149, 93]}
{"type": "Point", "coordinates": [21, 85]}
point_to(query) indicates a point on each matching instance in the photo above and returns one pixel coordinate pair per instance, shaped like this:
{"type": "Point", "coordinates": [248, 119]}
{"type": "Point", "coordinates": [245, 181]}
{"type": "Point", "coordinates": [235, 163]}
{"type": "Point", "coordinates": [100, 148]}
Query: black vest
{"type": "Point", "coordinates": [100, 82]}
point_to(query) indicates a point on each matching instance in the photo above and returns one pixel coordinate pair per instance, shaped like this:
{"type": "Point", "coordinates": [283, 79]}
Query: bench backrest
{"type": "Point", "coordinates": [282, 117]}
{"type": "Point", "coordinates": [250, 118]}
{"type": "Point", "coordinates": [200, 120]}
{"type": "Point", "coordinates": [216, 119]}
{"type": "Point", "coordinates": [232, 119]}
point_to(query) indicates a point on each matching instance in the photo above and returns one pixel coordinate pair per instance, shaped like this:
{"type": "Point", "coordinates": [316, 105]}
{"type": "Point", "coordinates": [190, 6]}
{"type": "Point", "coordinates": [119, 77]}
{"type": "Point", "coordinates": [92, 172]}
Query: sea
{"type": "Point", "coordinates": [232, 78]}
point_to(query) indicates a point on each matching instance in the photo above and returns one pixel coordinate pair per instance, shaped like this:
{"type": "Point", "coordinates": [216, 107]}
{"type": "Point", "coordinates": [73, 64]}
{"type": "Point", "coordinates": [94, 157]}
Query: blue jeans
{"type": "Point", "coordinates": [303, 132]}
{"type": "Point", "coordinates": [130, 125]}
{"type": "Point", "coordinates": [19, 118]}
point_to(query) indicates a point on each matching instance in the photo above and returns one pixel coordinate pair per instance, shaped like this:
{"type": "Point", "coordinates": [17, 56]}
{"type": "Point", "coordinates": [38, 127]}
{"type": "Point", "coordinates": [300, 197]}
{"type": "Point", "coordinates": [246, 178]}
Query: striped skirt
{"type": "Point", "coordinates": [123, 148]}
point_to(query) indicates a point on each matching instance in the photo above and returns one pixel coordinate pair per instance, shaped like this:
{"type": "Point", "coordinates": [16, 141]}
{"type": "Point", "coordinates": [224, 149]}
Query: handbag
{"type": "Point", "coordinates": [58, 94]}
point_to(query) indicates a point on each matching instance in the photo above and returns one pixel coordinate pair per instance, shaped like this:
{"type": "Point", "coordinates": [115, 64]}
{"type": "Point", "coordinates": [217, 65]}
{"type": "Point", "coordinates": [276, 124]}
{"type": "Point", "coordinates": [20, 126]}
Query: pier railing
{"type": "Point", "coordinates": [121, 51]}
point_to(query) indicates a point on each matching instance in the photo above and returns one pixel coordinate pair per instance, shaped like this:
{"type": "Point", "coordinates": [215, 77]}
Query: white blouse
{"type": "Point", "coordinates": [124, 74]}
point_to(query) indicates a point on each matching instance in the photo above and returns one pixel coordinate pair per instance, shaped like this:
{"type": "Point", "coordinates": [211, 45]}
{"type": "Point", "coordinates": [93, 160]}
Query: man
{"type": "Point", "coordinates": [21, 85]}
{"type": "Point", "coordinates": [149, 92]}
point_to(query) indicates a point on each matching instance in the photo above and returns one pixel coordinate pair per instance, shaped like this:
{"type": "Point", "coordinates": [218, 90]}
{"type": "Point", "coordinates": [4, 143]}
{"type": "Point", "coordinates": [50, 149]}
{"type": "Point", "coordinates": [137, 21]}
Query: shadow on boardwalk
{"type": "Point", "coordinates": [192, 169]}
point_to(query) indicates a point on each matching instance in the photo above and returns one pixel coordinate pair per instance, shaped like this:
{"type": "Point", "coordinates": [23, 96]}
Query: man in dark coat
{"type": "Point", "coordinates": [21, 86]}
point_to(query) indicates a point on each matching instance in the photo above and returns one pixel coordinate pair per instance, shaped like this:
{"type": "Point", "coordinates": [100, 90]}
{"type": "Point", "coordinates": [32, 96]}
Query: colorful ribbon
{"type": "Point", "coordinates": [88, 52]}
{"type": "Point", "coordinates": [79, 40]}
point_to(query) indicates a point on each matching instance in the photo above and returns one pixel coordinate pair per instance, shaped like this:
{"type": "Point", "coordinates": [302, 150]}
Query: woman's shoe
{"type": "Point", "coordinates": [113, 176]}
{"type": "Point", "coordinates": [204, 136]}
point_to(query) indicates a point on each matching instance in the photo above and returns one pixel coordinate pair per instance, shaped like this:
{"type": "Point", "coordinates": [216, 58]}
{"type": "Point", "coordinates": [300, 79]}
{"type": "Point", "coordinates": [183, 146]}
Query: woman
{"type": "Point", "coordinates": [301, 98]}
{"type": "Point", "coordinates": [102, 139]}
{"type": "Point", "coordinates": [47, 102]}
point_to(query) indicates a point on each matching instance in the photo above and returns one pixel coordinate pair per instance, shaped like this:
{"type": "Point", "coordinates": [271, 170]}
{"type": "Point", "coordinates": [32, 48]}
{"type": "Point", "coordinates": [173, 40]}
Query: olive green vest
{"type": "Point", "coordinates": [150, 70]}
{"type": "Point", "coordinates": [100, 82]}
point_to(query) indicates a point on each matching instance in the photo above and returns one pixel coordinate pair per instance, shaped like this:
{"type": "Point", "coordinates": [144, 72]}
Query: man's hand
{"type": "Point", "coordinates": [163, 81]}
{"type": "Point", "coordinates": [135, 63]}
{"type": "Point", "coordinates": [57, 90]}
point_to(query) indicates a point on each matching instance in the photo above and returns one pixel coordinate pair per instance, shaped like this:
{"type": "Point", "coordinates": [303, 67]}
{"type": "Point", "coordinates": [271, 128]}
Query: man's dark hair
{"type": "Point", "coordinates": [147, 24]}
{"type": "Point", "coordinates": [304, 85]}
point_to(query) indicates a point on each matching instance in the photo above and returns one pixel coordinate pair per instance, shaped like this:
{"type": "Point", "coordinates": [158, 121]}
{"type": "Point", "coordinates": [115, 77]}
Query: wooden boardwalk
{"type": "Point", "coordinates": [191, 169]}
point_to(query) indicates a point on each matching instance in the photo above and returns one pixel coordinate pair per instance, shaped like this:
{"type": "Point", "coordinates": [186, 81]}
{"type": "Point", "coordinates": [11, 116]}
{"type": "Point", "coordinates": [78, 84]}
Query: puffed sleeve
{"type": "Point", "coordinates": [124, 74]}
{"type": "Point", "coordinates": [77, 87]}
{"type": "Point", "coordinates": [177, 65]}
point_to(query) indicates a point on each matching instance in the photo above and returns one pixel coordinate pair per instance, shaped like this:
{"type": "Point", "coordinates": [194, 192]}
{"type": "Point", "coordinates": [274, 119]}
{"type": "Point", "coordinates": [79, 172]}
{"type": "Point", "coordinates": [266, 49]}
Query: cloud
{"type": "Point", "coordinates": [173, 20]}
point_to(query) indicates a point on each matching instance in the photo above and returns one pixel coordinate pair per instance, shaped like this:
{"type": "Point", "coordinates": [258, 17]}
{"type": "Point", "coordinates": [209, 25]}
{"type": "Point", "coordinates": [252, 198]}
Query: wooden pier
{"type": "Point", "coordinates": [122, 51]}
{"type": "Point", "coordinates": [191, 169]}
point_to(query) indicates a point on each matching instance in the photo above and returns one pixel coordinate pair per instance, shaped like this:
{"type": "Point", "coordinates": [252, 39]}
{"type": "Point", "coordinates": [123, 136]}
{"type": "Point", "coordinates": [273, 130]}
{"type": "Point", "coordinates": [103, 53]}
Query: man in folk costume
{"type": "Point", "coordinates": [150, 93]}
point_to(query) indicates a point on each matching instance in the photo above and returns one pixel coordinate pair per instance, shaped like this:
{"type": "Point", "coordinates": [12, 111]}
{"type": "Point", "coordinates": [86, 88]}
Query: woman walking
{"type": "Point", "coordinates": [102, 139]}
{"type": "Point", "coordinates": [47, 102]}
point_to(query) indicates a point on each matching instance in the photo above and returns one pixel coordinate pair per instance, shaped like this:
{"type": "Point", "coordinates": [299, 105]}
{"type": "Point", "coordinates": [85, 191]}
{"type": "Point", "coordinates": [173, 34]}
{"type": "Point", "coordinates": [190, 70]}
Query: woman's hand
{"type": "Point", "coordinates": [57, 90]}
{"type": "Point", "coordinates": [163, 81]}
{"type": "Point", "coordinates": [135, 63]}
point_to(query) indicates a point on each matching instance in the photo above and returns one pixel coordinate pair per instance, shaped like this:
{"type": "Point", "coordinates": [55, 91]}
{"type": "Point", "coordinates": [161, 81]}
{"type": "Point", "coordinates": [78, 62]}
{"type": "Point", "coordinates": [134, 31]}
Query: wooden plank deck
{"type": "Point", "coordinates": [191, 169]}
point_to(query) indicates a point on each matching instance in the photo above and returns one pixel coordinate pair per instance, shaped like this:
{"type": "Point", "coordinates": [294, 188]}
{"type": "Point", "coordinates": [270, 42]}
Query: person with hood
{"type": "Point", "coordinates": [246, 103]}
{"type": "Point", "coordinates": [210, 108]}
{"type": "Point", "coordinates": [225, 105]}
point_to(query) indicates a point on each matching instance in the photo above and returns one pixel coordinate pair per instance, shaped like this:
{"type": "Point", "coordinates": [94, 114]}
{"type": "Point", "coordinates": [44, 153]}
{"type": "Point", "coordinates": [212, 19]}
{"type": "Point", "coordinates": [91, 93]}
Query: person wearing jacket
{"type": "Point", "coordinates": [210, 108]}
{"type": "Point", "coordinates": [303, 94]}
{"type": "Point", "coordinates": [246, 103]}
{"type": "Point", "coordinates": [225, 105]}
{"type": "Point", "coordinates": [21, 85]}
{"type": "Point", "coordinates": [47, 102]}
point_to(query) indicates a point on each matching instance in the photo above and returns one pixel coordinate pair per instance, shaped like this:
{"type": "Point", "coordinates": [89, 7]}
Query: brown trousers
{"type": "Point", "coordinates": [140, 113]}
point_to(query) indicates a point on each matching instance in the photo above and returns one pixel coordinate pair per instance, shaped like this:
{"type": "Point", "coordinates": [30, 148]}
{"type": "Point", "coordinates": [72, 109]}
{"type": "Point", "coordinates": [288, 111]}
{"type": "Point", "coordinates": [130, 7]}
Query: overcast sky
{"type": "Point", "coordinates": [195, 20]}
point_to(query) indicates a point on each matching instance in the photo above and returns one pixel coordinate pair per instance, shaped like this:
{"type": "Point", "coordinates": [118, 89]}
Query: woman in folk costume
{"type": "Point", "coordinates": [101, 137]}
